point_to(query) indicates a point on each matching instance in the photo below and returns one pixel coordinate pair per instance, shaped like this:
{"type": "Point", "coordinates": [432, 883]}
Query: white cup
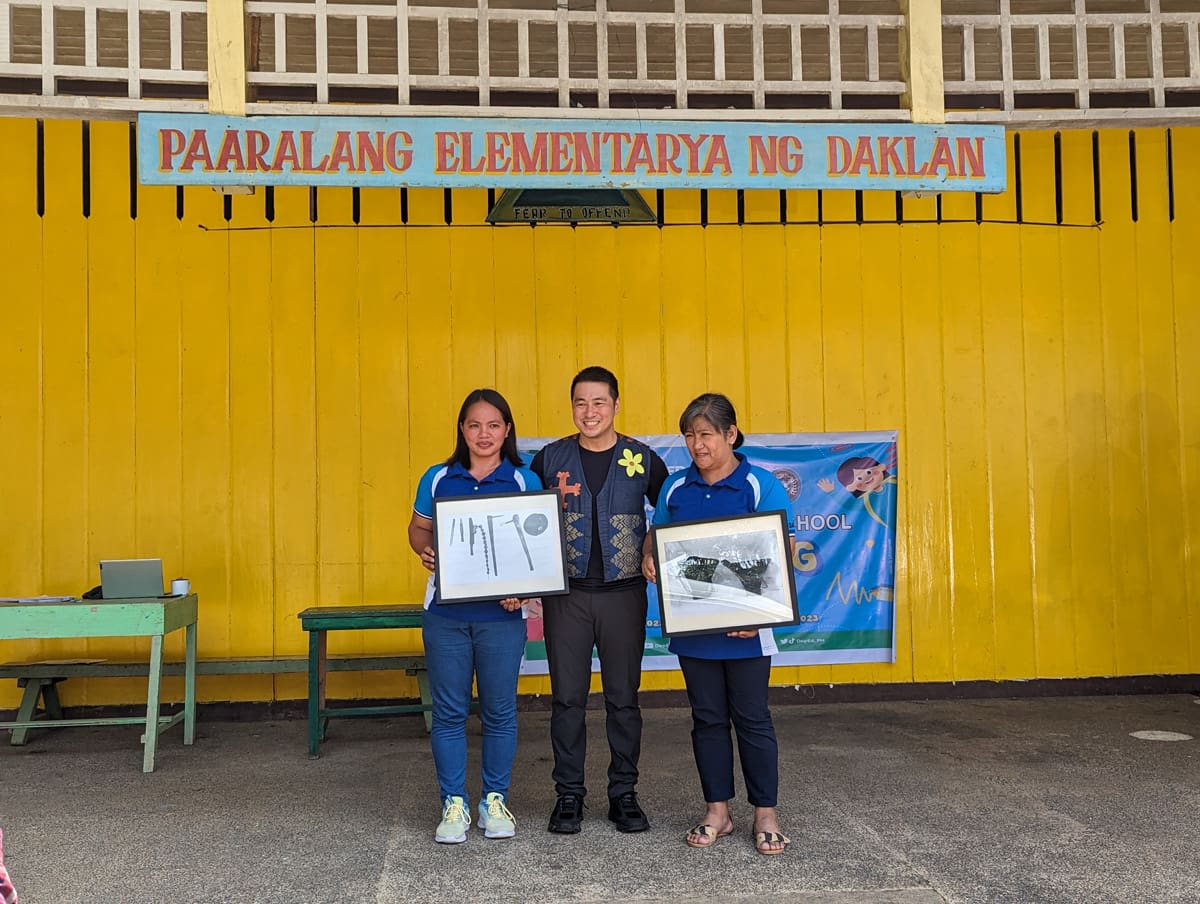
{"type": "Point", "coordinates": [180, 587]}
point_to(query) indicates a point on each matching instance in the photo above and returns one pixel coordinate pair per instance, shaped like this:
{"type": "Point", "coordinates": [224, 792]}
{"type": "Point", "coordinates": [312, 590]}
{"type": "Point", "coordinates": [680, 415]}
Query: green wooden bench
{"type": "Point", "coordinates": [320, 620]}
{"type": "Point", "coordinates": [40, 680]}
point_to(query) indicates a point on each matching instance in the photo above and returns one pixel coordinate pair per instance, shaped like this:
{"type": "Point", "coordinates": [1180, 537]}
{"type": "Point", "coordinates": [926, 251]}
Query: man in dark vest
{"type": "Point", "coordinates": [604, 480]}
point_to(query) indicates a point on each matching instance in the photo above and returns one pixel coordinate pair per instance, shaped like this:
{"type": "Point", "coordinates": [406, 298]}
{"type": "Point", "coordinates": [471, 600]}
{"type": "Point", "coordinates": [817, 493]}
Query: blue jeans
{"type": "Point", "coordinates": [455, 653]}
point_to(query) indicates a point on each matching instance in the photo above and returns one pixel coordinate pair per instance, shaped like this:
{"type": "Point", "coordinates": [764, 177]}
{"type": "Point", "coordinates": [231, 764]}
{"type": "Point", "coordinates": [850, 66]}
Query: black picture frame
{"type": "Point", "coordinates": [499, 546]}
{"type": "Point", "coordinates": [717, 575]}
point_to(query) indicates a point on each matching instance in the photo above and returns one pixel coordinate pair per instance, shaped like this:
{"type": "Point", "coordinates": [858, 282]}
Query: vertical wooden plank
{"type": "Point", "coordinates": [431, 424]}
{"type": "Point", "coordinates": [842, 327]}
{"type": "Point", "coordinates": [724, 318]}
{"type": "Point", "coordinates": [21, 414]}
{"type": "Point", "coordinates": [684, 298]}
{"type": "Point", "coordinates": [251, 442]}
{"type": "Point", "coordinates": [883, 391]}
{"type": "Point", "coordinates": [637, 268]}
{"type": "Point", "coordinates": [925, 531]}
{"type": "Point", "coordinates": [293, 404]}
{"type": "Point", "coordinates": [1185, 239]}
{"type": "Point", "coordinates": [1087, 431]}
{"type": "Point", "coordinates": [338, 421]}
{"type": "Point", "coordinates": [1166, 592]}
{"type": "Point", "coordinates": [390, 570]}
{"type": "Point", "coordinates": [557, 327]}
{"type": "Point", "coordinates": [517, 355]}
{"type": "Point", "coordinates": [1186, 280]}
{"type": "Point", "coordinates": [1041, 288]}
{"type": "Point", "coordinates": [21, 363]}
{"type": "Point", "coordinates": [681, 207]}
{"type": "Point", "coordinates": [110, 402]}
{"type": "Point", "coordinates": [473, 311]}
{"type": "Point", "coordinates": [1007, 470]}
{"type": "Point", "coordinates": [1118, 277]}
{"type": "Point", "coordinates": [764, 405]}
{"type": "Point", "coordinates": [969, 553]}
{"type": "Point", "coordinates": [595, 301]}
{"type": "Point", "coordinates": [805, 315]}
{"type": "Point", "coordinates": [204, 405]}
{"type": "Point", "coordinates": [68, 563]}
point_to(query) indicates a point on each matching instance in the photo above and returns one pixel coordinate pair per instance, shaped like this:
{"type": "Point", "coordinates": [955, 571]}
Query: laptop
{"type": "Point", "coordinates": [131, 578]}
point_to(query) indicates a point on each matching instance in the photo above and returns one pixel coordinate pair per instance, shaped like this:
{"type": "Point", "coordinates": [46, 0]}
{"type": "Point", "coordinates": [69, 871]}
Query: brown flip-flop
{"type": "Point", "coordinates": [704, 830]}
{"type": "Point", "coordinates": [761, 838]}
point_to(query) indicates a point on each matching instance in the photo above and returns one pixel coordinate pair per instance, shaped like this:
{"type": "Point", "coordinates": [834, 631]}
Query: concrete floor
{"type": "Point", "coordinates": [901, 803]}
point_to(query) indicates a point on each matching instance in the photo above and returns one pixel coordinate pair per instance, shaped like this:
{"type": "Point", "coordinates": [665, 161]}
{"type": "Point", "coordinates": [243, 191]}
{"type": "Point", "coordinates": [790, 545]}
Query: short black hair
{"type": "Point", "coordinates": [508, 449]}
{"type": "Point", "coordinates": [596, 374]}
{"type": "Point", "coordinates": [717, 410]}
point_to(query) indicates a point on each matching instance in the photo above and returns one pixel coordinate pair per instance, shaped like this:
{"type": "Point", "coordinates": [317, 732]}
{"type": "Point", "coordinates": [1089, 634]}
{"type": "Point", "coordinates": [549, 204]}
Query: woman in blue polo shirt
{"type": "Point", "coordinates": [465, 641]}
{"type": "Point", "coordinates": [726, 674]}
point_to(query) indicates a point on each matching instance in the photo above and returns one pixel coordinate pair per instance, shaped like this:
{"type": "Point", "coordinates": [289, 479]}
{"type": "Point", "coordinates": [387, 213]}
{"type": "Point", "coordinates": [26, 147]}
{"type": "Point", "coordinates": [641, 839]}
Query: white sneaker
{"type": "Point", "coordinates": [455, 822]}
{"type": "Point", "coordinates": [495, 818]}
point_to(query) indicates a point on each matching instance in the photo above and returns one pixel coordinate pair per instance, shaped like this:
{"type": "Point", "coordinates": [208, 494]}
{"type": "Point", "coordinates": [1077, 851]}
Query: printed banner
{"type": "Point", "coordinates": [201, 149]}
{"type": "Point", "coordinates": [843, 517]}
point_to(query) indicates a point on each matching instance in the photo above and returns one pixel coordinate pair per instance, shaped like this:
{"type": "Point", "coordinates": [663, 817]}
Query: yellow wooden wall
{"type": "Point", "coordinates": [253, 400]}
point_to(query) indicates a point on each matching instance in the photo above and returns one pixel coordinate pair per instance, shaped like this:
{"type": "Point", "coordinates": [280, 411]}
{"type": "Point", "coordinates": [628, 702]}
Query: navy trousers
{"type": "Point", "coordinates": [722, 691]}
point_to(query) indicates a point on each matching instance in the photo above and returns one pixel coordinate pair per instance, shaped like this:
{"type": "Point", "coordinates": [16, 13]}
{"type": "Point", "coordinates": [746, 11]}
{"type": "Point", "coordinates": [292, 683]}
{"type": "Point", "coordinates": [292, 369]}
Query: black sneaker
{"type": "Point", "coordinates": [567, 815]}
{"type": "Point", "coordinates": [624, 812]}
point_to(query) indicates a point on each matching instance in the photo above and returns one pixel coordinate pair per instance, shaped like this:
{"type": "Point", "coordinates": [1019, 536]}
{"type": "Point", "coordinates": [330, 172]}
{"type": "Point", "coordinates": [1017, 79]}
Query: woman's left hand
{"type": "Point", "coordinates": [743, 635]}
{"type": "Point", "coordinates": [512, 604]}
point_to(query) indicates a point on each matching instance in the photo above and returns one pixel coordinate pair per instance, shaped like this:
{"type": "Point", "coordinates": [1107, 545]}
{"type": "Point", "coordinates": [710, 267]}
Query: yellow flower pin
{"type": "Point", "coordinates": [631, 463]}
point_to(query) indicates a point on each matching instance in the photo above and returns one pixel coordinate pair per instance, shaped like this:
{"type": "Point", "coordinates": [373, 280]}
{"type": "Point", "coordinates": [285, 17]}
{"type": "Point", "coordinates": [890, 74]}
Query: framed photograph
{"type": "Point", "coordinates": [725, 574]}
{"type": "Point", "coordinates": [495, 547]}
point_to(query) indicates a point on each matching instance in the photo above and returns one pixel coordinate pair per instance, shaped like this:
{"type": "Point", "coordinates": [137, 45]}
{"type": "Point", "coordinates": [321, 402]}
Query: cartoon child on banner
{"type": "Point", "coordinates": [863, 477]}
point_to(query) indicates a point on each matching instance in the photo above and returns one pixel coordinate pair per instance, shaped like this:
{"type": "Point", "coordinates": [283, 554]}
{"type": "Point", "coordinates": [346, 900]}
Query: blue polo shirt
{"type": "Point", "coordinates": [686, 496]}
{"type": "Point", "coordinates": [452, 481]}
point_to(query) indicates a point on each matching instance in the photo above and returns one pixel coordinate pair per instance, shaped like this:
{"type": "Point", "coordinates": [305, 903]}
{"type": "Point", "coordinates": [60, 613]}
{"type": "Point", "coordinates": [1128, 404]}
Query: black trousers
{"type": "Point", "coordinates": [615, 622]}
{"type": "Point", "coordinates": [725, 690]}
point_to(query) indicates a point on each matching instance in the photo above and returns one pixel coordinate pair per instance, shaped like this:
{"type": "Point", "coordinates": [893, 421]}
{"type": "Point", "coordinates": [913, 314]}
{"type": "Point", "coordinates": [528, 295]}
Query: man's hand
{"type": "Point", "coordinates": [512, 604]}
{"type": "Point", "coordinates": [648, 571]}
{"type": "Point", "coordinates": [743, 635]}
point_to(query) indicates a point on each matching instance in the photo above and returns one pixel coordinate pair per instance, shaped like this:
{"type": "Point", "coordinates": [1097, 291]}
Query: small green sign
{"type": "Point", "coordinates": [565, 205]}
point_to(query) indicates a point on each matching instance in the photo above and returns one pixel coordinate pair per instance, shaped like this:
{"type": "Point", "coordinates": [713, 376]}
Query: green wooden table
{"type": "Point", "coordinates": [152, 617]}
{"type": "Point", "coordinates": [318, 622]}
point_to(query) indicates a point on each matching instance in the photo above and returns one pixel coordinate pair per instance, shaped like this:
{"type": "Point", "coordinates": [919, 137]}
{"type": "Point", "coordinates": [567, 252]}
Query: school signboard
{"type": "Point", "coordinates": [454, 152]}
{"type": "Point", "coordinates": [843, 489]}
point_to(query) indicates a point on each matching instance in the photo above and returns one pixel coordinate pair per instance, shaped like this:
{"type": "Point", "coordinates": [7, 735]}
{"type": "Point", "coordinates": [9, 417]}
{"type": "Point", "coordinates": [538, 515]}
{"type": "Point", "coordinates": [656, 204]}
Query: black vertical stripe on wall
{"type": "Point", "coordinates": [704, 207]}
{"type": "Point", "coordinates": [1170, 179]}
{"type": "Point", "coordinates": [87, 169]}
{"type": "Point", "coordinates": [783, 205]}
{"type": "Point", "coordinates": [41, 168]}
{"type": "Point", "coordinates": [978, 207]}
{"type": "Point", "coordinates": [1096, 211]}
{"type": "Point", "coordinates": [899, 208]}
{"type": "Point", "coordinates": [1133, 179]}
{"type": "Point", "coordinates": [355, 205]}
{"type": "Point", "coordinates": [404, 205]}
{"type": "Point", "coordinates": [1058, 184]}
{"type": "Point", "coordinates": [179, 202]}
{"type": "Point", "coordinates": [312, 204]}
{"type": "Point", "coordinates": [820, 208]}
{"type": "Point", "coordinates": [133, 179]}
{"type": "Point", "coordinates": [858, 207]}
{"type": "Point", "coordinates": [658, 199]}
{"type": "Point", "coordinates": [1017, 177]}
{"type": "Point", "coordinates": [227, 207]}
{"type": "Point", "coordinates": [741, 205]}
{"type": "Point", "coordinates": [447, 206]}
{"type": "Point", "coordinates": [937, 207]}
{"type": "Point", "coordinates": [269, 204]}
